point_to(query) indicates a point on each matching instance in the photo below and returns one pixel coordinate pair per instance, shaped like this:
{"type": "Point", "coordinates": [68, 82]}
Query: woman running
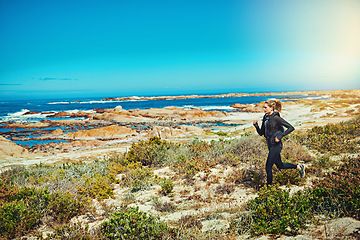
{"type": "Point", "coordinates": [272, 128]}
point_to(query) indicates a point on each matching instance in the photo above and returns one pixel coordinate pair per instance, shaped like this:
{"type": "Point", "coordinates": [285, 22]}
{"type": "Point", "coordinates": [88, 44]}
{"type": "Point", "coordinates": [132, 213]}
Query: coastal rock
{"type": "Point", "coordinates": [9, 148]}
{"type": "Point", "coordinates": [28, 125]}
{"type": "Point", "coordinates": [239, 105]}
{"type": "Point", "coordinates": [253, 108]}
{"type": "Point", "coordinates": [31, 112]}
{"type": "Point", "coordinates": [149, 115]}
{"type": "Point", "coordinates": [82, 114]}
{"type": "Point", "coordinates": [59, 115]}
{"type": "Point", "coordinates": [100, 110]}
{"type": "Point", "coordinates": [170, 132]}
{"type": "Point", "coordinates": [58, 131]}
{"type": "Point", "coordinates": [113, 131]}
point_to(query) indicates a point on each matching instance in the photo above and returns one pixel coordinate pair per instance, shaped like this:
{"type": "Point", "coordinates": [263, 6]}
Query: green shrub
{"type": "Point", "coordinates": [64, 206]}
{"type": "Point", "coordinates": [338, 193]}
{"type": "Point", "coordinates": [17, 218]}
{"type": "Point", "coordinates": [133, 224]}
{"type": "Point", "coordinates": [20, 209]}
{"type": "Point", "coordinates": [138, 178]}
{"type": "Point", "coordinates": [333, 138]}
{"type": "Point", "coordinates": [72, 232]}
{"type": "Point", "coordinates": [247, 148]}
{"type": "Point", "coordinates": [149, 153]}
{"type": "Point", "coordinates": [242, 223]}
{"type": "Point", "coordinates": [188, 168]}
{"type": "Point", "coordinates": [167, 186]}
{"type": "Point", "coordinates": [323, 162]}
{"type": "Point", "coordinates": [92, 179]}
{"type": "Point", "coordinates": [97, 187]}
{"type": "Point", "coordinates": [288, 177]}
{"type": "Point", "coordinates": [274, 211]}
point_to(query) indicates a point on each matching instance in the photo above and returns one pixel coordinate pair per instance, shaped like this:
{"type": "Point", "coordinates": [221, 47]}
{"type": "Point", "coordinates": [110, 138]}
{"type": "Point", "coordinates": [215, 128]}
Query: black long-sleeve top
{"type": "Point", "coordinates": [273, 126]}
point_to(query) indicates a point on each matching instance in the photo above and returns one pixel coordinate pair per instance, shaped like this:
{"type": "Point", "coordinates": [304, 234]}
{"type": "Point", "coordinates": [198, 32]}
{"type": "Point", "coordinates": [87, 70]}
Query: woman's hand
{"type": "Point", "coordinates": [276, 139]}
{"type": "Point", "coordinates": [255, 122]}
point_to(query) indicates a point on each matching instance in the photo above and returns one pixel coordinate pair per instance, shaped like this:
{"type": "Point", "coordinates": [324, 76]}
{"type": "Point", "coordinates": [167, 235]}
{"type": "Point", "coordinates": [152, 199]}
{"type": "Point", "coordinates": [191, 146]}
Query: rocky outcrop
{"type": "Point", "coordinates": [239, 105]}
{"type": "Point", "coordinates": [28, 125]}
{"type": "Point", "coordinates": [153, 114]}
{"type": "Point", "coordinates": [9, 148]}
{"type": "Point", "coordinates": [58, 131]}
{"type": "Point", "coordinates": [109, 132]}
{"type": "Point", "coordinates": [249, 107]}
{"type": "Point", "coordinates": [59, 115]}
{"type": "Point", "coordinates": [171, 132]}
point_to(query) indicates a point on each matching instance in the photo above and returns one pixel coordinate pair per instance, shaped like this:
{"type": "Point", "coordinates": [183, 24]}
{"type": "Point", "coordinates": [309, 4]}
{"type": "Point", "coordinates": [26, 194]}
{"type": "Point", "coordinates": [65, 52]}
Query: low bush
{"type": "Point", "coordinates": [242, 223]}
{"type": "Point", "coordinates": [97, 187]}
{"type": "Point", "coordinates": [150, 153]}
{"type": "Point", "coordinates": [274, 211]}
{"type": "Point", "coordinates": [288, 177]}
{"type": "Point", "coordinates": [20, 209]}
{"type": "Point", "coordinates": [64, 206]}
{"type": "Point", "coordinates": [338, 193]}
{"type": "Point", "coordinates": [17, 218]}
{"type": "Point", "coordinates": [333, 138]}
{"type": "Point", "coordinates": [166, 186]}
{"type": "Point", "coordinates": [188, 168]}
{"type": "Point", "coordinates": [133, 224]}
{"type": "Point", "coordinates": [72, 232]}
{"type": "Point", "coordinates": [138, 178]}
{"type": "Point", "coordinates": [93, 179]}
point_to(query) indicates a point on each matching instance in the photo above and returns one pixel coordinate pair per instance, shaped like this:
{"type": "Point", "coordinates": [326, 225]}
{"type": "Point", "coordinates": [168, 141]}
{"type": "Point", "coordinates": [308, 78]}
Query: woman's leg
{"type": "Point", "coordinates": [280, 165]}
{"type": "Point", "coordinates": [273, 157]}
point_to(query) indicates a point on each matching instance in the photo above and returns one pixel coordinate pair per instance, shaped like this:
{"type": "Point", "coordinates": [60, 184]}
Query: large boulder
{"type": "Point", "coordinates": [113, 131]}
{"type": "Point", "coordinates": [9, 148]}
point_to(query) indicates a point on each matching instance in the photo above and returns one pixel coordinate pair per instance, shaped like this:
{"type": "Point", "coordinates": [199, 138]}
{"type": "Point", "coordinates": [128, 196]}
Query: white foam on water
{"type": "Point", "coordinates": [54, 103]}
{"type": "Point", "coordinates": [189, 107]}
{"type": "Point", "coordinates": [20, 117]}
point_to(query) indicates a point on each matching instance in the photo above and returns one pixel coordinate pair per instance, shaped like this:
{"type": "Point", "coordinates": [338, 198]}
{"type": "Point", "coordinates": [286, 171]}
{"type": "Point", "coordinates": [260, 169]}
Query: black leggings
{"type": "Point", "coordinates": [275, 158]}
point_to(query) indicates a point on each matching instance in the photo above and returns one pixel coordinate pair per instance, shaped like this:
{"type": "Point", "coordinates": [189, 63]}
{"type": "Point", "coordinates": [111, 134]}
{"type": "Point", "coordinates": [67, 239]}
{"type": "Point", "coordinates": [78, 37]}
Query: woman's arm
{"type": "Point", "coordinates": [289, 128]}
{"type": "Point", "coordinates": [259, 130]}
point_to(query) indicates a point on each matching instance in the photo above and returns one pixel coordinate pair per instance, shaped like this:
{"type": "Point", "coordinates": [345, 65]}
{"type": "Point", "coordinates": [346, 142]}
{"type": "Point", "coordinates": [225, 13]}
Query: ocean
{"type": "Point", "coordinates": [15, 110]}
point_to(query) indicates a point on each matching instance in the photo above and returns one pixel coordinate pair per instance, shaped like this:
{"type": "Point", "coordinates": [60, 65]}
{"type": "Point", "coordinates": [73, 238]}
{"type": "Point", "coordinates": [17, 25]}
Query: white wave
{"type": "Point", "coordinates": [20, 117]}
{"type": "Point", "coordinates": [59, 103]}
{"type": "Point", "coordinates": [189, 106]}
{"type": "Point", "coordinates": [20, 113]}
{"type": "Point", "coordinates": [77, 110]}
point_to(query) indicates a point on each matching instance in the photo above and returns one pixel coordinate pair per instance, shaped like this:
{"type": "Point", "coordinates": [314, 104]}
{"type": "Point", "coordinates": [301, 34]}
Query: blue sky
{"type": "Point", "coordinates": [139, 47]}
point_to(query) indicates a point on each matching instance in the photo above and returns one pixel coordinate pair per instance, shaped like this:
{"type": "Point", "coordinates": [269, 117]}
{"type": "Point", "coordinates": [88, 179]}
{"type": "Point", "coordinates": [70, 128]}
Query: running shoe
{"type": "Point", "coordinates": [302, 170]}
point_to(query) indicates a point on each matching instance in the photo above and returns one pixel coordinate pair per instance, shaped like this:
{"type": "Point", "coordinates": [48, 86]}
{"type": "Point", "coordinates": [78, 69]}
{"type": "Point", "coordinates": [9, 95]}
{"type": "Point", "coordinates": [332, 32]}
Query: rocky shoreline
{"type": "Point", "coordinates": [108, 127]}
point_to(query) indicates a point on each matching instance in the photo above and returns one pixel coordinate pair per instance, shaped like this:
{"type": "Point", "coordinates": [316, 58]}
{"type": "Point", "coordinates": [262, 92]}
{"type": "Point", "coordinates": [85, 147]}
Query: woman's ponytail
{"type": "Point", "coordinates": [277, 105]}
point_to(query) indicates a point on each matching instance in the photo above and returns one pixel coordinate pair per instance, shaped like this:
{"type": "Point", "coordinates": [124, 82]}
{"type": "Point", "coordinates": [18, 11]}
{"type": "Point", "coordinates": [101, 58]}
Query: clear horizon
{"type": "Point", "coordinates": [121, 48]}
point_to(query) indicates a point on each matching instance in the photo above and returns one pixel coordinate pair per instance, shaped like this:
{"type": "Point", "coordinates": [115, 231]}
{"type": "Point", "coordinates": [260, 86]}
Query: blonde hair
{"type": "Point", "coordinates": [274, 104]}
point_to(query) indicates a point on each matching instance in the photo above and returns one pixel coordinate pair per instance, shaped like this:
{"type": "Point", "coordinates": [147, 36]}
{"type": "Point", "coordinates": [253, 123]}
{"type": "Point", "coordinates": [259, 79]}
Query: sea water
{"type": "Point", "coordinates": [15, 110]}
